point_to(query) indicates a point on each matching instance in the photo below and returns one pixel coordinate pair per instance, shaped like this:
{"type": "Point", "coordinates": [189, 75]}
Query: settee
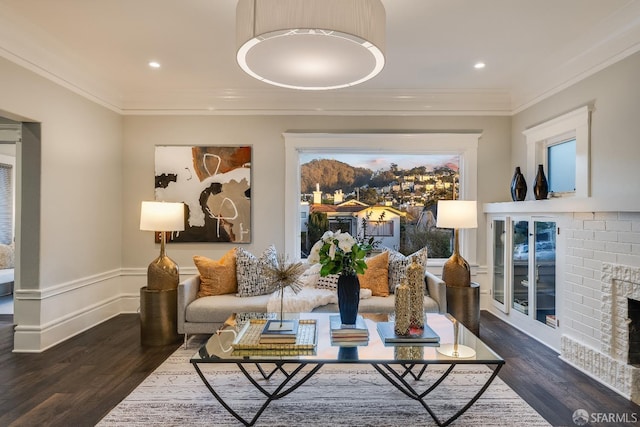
{"type": "Point", "coordinates": [205, 315]}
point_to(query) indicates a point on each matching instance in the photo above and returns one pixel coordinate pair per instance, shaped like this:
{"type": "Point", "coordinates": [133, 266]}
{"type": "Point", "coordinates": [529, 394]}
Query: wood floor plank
{"type": "Point", "coordinates": [79, 381]}
{"type": "Point", "coordinates": [76, 382]}
{"type": "Point", "coordinates": [549, 385]}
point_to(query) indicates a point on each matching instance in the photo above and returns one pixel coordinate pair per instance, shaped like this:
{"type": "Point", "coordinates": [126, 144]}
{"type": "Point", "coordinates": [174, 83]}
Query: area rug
{"type": "Point", "coordinates": [338, 395]}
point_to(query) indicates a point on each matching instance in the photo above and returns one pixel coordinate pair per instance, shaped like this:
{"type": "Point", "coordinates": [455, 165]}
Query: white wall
{"type": "Point", "coordinates": [615, 128]}
{"type": "Point", "coordinates": [264, 133]}
{"type": "Point", "coordinates": [95, 168]}
{"type": "Point", "coordinates": [608, 231]}
{"type": "Point", "coordinates": [81, 210]}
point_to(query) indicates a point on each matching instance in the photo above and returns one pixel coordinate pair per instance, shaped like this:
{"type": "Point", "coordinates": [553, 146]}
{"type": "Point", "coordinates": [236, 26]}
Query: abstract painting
{"type": "Point", "coordinates": [214, 183]}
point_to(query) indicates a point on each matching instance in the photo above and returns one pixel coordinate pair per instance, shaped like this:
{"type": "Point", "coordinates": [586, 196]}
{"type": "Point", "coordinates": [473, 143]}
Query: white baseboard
{"type": "Point", "coordinates": [47, 317]}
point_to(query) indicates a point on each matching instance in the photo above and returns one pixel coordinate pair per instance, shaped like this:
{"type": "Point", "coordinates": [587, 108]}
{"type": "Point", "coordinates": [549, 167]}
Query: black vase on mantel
{"type": "Point", "coordinates": [518, 186]}
{"type": "Point", "coordinates": [541, 189]}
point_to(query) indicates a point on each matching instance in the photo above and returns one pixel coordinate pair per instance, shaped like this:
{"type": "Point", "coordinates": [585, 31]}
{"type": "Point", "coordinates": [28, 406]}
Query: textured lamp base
{"type": "Point", "coordinates": [158, 316]}
{"type": "Point", "coordinates": [464, 305]}
{"type": "Point", "coordinates": [456, 271]}
{"type": "Point", "coordinates": [162, 274]}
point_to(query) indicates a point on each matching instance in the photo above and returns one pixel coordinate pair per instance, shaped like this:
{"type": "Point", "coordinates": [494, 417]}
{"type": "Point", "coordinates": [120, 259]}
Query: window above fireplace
{"type": "Point", "coordinates": [561, 145]}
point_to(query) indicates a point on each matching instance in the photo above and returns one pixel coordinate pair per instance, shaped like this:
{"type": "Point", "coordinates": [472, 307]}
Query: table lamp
{"type": "Point", "coordinates": [457, 214]}
{"type": "Point", "coordinates": [162, 273]}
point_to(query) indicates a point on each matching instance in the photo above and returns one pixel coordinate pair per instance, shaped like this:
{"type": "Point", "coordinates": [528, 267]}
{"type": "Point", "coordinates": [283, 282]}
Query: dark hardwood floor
{"type": "Point", "coordinates": [550, 386]}
{"type": "Point", "coordinates": [77, 382]}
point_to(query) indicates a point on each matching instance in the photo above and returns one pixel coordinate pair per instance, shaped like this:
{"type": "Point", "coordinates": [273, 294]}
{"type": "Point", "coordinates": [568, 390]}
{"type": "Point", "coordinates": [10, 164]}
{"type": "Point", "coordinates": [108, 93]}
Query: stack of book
{"type": "Point", "coordinates": [425, 336]}
{"type": "Point", "coordinates": [551, 320]}
{"type": "Point", "coordinates": [279, 332]}
{"type": "Point", "coordinates": [344, 335]}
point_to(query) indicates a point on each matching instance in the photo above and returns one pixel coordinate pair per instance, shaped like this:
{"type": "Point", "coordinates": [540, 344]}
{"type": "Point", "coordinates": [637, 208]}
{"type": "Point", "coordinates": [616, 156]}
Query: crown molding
{"type": "Point", "coordinates": [336, 102]}
{"type": "Point", "coordinates": [615, 38]}
{"type": "Point", "coordinates": [27, 46]}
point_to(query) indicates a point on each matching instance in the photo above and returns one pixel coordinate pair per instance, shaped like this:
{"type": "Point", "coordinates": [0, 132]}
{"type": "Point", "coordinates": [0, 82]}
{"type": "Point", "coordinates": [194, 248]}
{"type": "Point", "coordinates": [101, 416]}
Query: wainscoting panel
{"type": "Point", "coordinates": [46, 317]}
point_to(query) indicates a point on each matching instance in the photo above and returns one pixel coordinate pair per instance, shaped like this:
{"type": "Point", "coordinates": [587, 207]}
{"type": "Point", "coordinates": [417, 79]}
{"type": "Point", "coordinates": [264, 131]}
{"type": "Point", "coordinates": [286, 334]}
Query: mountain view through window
{"type": "Point", "coordinates": [390, 200]}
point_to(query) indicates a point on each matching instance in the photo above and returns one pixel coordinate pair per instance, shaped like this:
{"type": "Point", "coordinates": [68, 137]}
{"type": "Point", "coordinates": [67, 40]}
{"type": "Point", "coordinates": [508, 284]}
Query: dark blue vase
{"type": "Point", "coordinates": [348, 298]}
{"type": "Point", "coordinates": [348, 353]}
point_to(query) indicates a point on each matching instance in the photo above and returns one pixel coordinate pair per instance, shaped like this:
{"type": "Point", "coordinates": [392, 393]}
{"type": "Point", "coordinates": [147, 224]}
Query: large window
{"type": "Point", "coordinates": [387, 209]}
{"type": "Point", "coordinates": [385, 198]}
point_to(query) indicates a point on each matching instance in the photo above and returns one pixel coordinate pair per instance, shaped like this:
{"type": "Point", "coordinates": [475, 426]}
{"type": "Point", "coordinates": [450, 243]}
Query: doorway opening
{"type": "Point", "coordinates": [10, 134]}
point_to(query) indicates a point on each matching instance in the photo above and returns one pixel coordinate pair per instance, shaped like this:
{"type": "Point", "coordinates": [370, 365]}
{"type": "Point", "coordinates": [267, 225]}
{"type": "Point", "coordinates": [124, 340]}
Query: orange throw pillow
{"type": "Point", "coordinates": [217, 277]}
{"type": "Point", "coordinates": [376, 276]}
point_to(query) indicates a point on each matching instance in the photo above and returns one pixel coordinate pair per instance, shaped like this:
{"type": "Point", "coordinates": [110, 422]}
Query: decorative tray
{"type": "Point", "coordinates": [249, 338]}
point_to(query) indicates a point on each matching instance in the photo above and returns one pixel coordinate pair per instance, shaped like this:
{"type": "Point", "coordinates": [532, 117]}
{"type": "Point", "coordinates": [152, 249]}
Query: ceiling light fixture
{"type": "Point", "coordinates": [311, 44]}
{"type": "Point", "coordinates": [154, 64]}
{"type": "Point", "coordinates": [479, 65]}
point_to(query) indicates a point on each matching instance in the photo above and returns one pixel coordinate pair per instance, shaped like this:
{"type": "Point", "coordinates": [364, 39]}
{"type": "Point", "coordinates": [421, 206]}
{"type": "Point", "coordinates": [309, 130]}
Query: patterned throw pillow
{"type": "Point", "coordinates": [376, 276]}
{"type": "Point", "coordinates": [398, 264]}
{"type": "Point", "coordinates": [252, 280]}
{"type": "Point", "coordinates": [217, 277]}
{"type": "Point", "coordinates": [328, 282]}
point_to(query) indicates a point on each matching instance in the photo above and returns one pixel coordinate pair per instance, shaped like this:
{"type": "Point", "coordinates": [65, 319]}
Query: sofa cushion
{"type": "Point", "coordinates": [216, 309]}
{"type": "Point", "coordinates": [250, 273]}
{"type": "Point", "coordinates": [398, 264]}
{"type": "Point", "coordinates": [376, 276]}
{"type": "Point", "coordinates": [217, 277]}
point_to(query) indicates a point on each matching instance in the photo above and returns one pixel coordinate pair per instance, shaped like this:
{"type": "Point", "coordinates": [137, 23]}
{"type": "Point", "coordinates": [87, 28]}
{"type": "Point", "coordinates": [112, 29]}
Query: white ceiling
{"type": "Point", "coordinates": [532, 48]}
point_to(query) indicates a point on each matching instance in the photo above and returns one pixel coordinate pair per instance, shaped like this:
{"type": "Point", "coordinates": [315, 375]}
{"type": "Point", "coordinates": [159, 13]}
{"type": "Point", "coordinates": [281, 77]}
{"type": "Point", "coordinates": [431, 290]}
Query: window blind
{"type": "Point", "coordinates": [6, 204]}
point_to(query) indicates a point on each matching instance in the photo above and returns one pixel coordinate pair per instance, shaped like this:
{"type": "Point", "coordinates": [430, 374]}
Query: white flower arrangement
{"type": "Point", "coordinates": [339, 253]}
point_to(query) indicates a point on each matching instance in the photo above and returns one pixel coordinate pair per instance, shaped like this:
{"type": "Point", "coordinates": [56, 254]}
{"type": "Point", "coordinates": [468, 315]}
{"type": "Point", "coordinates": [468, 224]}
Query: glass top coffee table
{"type": "Point", "coordinates": [290, 366]}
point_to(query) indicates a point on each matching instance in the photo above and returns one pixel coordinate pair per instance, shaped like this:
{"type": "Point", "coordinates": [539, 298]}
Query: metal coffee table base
{"type": "Point", "coordinates": [395, 376]}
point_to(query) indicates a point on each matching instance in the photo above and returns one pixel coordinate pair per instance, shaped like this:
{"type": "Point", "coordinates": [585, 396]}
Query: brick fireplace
{"type": "Point", "coordinates": [611, 363]}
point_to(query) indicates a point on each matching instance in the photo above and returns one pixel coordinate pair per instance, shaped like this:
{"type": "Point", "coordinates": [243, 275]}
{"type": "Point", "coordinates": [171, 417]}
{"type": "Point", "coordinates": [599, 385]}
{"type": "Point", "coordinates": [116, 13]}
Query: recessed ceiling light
{"type": "Point", "coordinates": [154, 64]}
{"type": "Point", "coordinates": [479, 65]}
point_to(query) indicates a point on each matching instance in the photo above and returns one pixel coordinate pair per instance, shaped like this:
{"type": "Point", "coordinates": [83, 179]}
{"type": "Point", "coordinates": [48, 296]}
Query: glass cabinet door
{"type": "Point", "coordinates": [520, 266]}
{"type": "Point", "coordinates": [545, 272]}
{"type": "Point", "coordinates": [499, 285]}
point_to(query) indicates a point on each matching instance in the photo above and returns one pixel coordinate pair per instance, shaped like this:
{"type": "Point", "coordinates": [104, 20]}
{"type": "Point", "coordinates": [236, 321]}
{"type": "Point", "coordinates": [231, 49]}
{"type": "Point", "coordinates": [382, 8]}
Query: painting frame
{"type": "Point", "coordinates": [214, 183]}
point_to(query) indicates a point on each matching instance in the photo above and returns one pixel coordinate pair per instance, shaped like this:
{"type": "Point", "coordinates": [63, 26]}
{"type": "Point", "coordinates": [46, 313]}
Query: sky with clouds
{"type": "Point", "coordinates": [377, 161]}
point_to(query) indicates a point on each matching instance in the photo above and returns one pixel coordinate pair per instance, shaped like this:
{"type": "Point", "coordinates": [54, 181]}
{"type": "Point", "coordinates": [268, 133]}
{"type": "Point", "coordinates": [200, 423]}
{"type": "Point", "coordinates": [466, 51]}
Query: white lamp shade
{"type": "Point", "coordinates": [311, 44]}
{"type": "Point", "coordinates": [162, 216]}
{"type": "Point", "coordinates": [457, 214]}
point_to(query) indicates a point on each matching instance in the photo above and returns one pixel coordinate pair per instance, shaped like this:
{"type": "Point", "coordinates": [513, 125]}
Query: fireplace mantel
{"type": "Point", "coordinates": [564, 204]}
